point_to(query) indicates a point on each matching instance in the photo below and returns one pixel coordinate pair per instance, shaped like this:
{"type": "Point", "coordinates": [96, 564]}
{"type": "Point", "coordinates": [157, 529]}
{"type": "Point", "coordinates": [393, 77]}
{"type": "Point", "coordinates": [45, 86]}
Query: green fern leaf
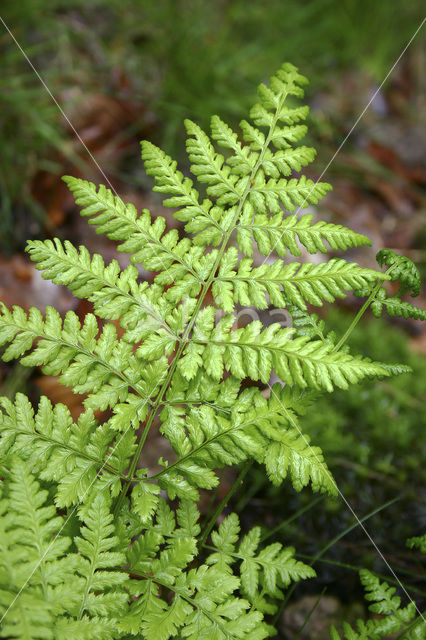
{"type": "Point", "coordinates": [242, 160]}
{"type": "Point", "coordinates": [280, 284]}
{"type": "Point", "coordinates": [385, 604]}
{"type": "Point", "coordinates": [253, 352]}
{"type": "Point", "coordinates": [395, 307]}
{"type": "Point", "coordinates": [404, 271]}
{"type": "Point", "coordinates": [138, 236]}
{"type": "Point", "coordinates": [115, 294]}
{"type": "Point", "coordinates": [280, 234]}
{"type": "Point", "coordinates": [419, 542]}
{"type": "Point", "coordinates": [209, 167]}
{"type": "Point", "coordinates": [267, 432]}
{"type": "Point", "coordinates": [267, 570]}
{"type": "Point", "coordinates": [270, 194]}
{"type": "Point", "coordinates": [97, 557]}
{"type": "Point", "coordinates": [401, 269]}
{"type": "Point", "coordinates": [35, 559]}
{"type": "Point", "coordinates": [163, 624]}
{"type": "Point", "coordinates": [73, 455]}
{"type": "Point", "coordinates": [103, 367]}
{"type": "Point", "coordinates": [198, 216]}
{"type": "Point", "coordinates": [145, 500]}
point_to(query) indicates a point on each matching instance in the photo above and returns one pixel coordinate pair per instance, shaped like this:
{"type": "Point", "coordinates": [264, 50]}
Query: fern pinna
{"type": "Point", "coordinates": [394, 619]}
{"type": "Point", "coordinates": [110, 550]}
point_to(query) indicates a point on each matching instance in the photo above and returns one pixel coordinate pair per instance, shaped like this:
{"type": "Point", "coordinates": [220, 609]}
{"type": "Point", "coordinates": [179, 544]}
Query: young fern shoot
{"type": "Point", "coordinates": [126, 554]}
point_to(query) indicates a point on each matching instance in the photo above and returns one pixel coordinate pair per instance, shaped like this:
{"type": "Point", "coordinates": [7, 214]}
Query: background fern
{"type": "Point", "coordinates": [395, 618]}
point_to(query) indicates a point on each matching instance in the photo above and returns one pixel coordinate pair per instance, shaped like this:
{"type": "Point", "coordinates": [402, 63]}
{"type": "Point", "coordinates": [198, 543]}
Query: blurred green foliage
{"type": "Point", "coordinates": [182, 58]}
{"type": "Point", "coordinates": [207, 55]}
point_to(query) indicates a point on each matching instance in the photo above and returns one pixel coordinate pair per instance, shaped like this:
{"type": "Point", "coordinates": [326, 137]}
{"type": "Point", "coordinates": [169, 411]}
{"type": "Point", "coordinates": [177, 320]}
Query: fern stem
{"type": "Point", "coordinates": [359, 315]}
{"type": "Point", "coordinates": [363, 309]}
{"type": "Point", "coordinates": [208, 442]}
{"type": "Point", "coordinates": [200, 301]}
{"type": "Point", "coordinates": [205, 534]}
{"type": "Point", "coordinates": [82, 454]}
{"type": "Point", "coordinates": [308, 617]}
{"type": "Point", "coordinates": [347, 530]}
{"type": "Point", "coordinates": [89, 579]}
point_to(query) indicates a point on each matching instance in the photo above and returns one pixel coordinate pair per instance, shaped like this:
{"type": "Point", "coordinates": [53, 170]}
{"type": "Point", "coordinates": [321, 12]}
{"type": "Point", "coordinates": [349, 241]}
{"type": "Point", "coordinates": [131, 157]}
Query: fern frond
{"type": "Point", "coordinates": [386, 604]}
{"type": "Point", "coordinates": [269, 195]}
{"type": "Point", "coordinates": [280, 234]}
{"type": "Point", "coordinates": [209, 167]}
{"type": "Point", "coordinates": [294, 457]}
{"type": "Point", "coordinates": [287, 81]}
{"type": "Point", "coordinates": [36, 525]}
{"type": "Point", "coordinates": [282, 285]}
{"type": "Point", "coordinates": [28, 617]}
{"type": "Point", "coordinates": [203, 606]}
{"type": "Point", "coordinates": [243, 160]}
{"type": "Point", "coordinates": [282, 162]}
{"type": "Point", "coordinates": [178, 262]}
{"type": "Point", "coordinates": [87, 628]}
{"type": "Point", "coordinates": [401, 269]}
{"type": "Point", "coordinates": [379, 593]}
{"type": "Point", "coordinates": [197, 216]}
{"type": "Point", "coordinates": [192, 602]}
{"type": "Point", "coordinates": [64, 452]}
{"type": "Point", "coordinates": [103, 367]}
{"type": "Point", "coordinates": [115, 294]}
{"type": "Point", "coordinates": [404, 271]}
{"type": "Point", "coordinates": [395, 307]}
{"type": "Point", "coordinates": [418, 542]}
{"type": "Point", "coordinates": [33, 558]}
{"type": "Point", "coordinates": [259, 429]}
{"type": "Point", "coordinates": [98, 561]}
{"type": "Point", "coordinates": [202, 389]}
{"type": "Point", "coordinates": [241, 177]}
{"type": "Point", "coordinates": [137, 235]}
{"type": "Point", "coordinates": [133, 567]}
{"type": "Point", "coordinates": [308, 324]}
{"type": "Point", "coordinates": [264, 571]}
{"type": "Point", "coordinates": [254, 352]}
